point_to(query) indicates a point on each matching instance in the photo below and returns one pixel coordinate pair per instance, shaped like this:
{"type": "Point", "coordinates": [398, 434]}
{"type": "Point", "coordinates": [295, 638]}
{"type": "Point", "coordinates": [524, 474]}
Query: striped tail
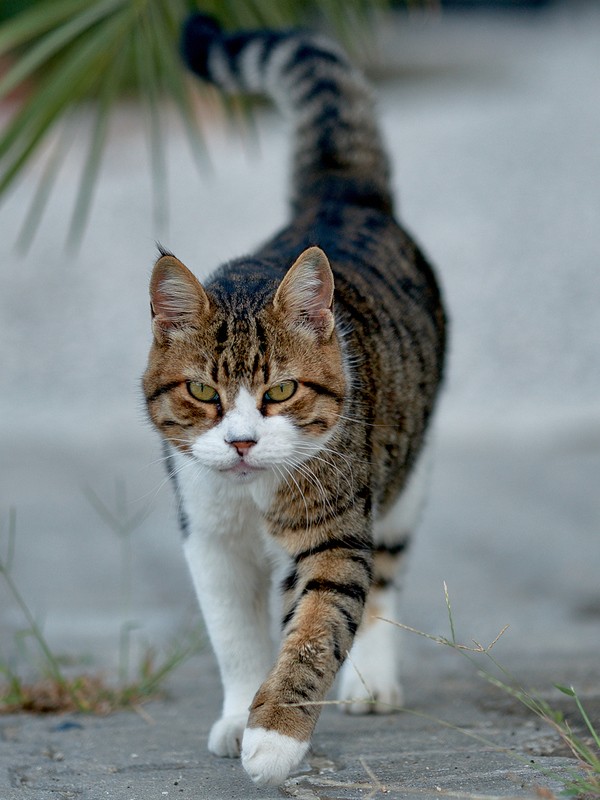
{"type": "Point", "coordinates": [338, 153]}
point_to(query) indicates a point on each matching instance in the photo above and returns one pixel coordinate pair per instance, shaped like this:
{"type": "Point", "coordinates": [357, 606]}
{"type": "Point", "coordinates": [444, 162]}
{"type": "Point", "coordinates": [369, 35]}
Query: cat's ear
{"type": "Point", "coordinates": [177, 299]}
{"type": "Point", "coordinates": [305, 295]}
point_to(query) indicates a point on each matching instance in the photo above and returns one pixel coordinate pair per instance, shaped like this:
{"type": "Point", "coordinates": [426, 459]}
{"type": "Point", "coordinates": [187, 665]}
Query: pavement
{"type": "Point", "coordinates": [492, 122]}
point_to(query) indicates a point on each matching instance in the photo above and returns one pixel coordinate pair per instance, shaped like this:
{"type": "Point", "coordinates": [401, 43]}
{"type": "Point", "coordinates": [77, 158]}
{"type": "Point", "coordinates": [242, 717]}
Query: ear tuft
{"type": "Point", "coordinates": [177, 299]}
{"type": "Point", "coordinates": [305, 295]}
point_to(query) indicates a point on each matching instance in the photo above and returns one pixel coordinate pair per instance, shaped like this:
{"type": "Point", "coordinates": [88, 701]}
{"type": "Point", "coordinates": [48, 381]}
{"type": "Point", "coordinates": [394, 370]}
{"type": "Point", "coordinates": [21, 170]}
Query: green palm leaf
{"type": "Point", "coordinates": [93, 51]}
{"type": "Point", "coordinates": [53, 43]}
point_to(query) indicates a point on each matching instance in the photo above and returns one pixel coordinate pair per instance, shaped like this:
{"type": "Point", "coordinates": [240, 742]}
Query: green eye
{"type": "Point", "coordinates": [202, 392]}
{"type": "Point", "coordinates": [281, 391]}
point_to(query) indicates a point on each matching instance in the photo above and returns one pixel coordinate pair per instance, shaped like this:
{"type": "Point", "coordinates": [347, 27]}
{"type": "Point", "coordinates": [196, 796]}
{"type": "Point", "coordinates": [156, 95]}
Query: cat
{"type": "Point", "coordinates": [293, 392]}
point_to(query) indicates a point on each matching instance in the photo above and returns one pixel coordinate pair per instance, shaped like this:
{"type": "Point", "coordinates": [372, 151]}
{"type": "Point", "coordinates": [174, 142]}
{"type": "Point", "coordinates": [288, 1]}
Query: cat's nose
{"type": "Point", "coordinates": [243, 447]}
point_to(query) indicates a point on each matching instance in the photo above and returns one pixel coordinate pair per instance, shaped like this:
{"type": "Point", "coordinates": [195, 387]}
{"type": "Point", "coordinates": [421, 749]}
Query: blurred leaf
{"type": "Point", "coordinates": [174, 79]}
{"type": "Point", "coordinates": [45, 185]}
{"type": "Point", "coordinates": [81, 69]}
{"type": "Point", "coordinates": [148, 80]}
{"type": "Point", "coordinates": [51, 44]}
{"type": "Point", "coordinates": [95, 51]}
{"type": "Point", "coordinates": [33, 22]}
{"type": "Point", "coordinates": [109, 90]}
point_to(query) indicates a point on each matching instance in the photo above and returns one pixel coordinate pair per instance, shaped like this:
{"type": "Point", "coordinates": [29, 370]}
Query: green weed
{"type": "Point", "coordinates": [583, 784]}
{"type": "Point", "coordinates": [55, 689]}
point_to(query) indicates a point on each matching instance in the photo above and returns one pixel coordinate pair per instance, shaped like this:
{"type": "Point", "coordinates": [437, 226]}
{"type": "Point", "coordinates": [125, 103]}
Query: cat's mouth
{"type": "Point", "coordinates": [242, 469]}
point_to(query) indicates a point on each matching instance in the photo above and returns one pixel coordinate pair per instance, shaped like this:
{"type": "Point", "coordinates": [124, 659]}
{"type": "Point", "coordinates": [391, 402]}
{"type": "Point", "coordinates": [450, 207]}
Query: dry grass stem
{"type": "Point", "coordinates": [378, 786]}
{"type": "Point", "coordinates": [478, 648]}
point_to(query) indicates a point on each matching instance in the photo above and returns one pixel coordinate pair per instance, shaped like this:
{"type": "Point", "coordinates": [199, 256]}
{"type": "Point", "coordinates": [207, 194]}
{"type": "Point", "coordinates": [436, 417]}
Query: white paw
{"type": "Point", "coordinates": [268, 757]}
{"type": "Point", "coordinates": [226, 734]}
{"type": "Point", "coordinates": [384, 693]}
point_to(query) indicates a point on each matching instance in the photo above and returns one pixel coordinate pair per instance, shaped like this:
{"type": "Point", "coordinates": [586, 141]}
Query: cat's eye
{"type": "Point", "coordinates": [202, 392]}
{"type": "Point", "coordinates": [281, 391]}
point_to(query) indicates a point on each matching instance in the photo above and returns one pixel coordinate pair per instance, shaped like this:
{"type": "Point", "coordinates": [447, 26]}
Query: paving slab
{"type": "Point", "coordinates": [460, 737]}
{"type": "Point", "coordinates": [492, 126]}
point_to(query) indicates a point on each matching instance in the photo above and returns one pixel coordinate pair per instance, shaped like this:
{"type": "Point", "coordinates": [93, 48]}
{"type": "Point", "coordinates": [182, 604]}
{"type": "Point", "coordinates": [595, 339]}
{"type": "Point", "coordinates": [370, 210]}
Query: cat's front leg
{"type": "Point", "coordinates": [326, 597]}
{"type": "Point", "coordinates": [231, 577]}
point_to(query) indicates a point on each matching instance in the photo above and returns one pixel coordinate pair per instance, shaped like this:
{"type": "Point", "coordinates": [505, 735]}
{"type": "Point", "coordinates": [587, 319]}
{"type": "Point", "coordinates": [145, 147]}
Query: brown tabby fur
{"type": "Point", "coordinates": [367, 374]}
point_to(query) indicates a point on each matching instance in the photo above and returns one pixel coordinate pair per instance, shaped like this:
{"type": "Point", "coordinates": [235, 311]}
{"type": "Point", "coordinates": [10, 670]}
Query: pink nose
{"type": "Point", "coordinates": [243, 448]}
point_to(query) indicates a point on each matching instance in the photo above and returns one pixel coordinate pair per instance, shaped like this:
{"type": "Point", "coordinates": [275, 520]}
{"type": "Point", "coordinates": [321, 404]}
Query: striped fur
{"type": "Point", "coordinates": [332, 476]}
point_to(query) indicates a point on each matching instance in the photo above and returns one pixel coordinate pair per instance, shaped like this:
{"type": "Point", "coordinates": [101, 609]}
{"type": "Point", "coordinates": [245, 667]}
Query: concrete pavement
{"type": "Point", "coordinates": [492, 124]}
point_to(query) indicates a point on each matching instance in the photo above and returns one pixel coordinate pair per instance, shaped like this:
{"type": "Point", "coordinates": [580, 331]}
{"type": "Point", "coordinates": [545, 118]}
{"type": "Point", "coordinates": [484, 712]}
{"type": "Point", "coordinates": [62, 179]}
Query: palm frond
{"type": "Point", "coordinates": [94, 51]}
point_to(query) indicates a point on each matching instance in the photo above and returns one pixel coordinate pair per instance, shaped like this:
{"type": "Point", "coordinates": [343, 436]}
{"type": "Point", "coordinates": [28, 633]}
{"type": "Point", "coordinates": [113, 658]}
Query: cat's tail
{"type": "Point", "coordinates": [338, 153]}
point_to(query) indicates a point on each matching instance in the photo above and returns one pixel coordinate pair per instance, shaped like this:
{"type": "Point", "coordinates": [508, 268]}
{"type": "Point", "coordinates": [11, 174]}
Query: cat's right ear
{"type": "Point", "coordinates": [177, 299]}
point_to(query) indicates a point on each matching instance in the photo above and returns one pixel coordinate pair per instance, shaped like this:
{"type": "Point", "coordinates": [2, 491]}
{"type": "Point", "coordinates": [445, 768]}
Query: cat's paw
{"type": "Point", "coordinates": [225, 739]}
{"type": "Point", "coordinates": [384, 693]}
{"type": "Point", "coordinates": [268, 757]}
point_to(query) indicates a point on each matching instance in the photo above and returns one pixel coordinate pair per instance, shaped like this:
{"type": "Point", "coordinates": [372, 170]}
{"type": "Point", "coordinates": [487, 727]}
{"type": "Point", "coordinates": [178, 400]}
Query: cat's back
{"type": "Point", "coordinates": [341, 199]}
{"type": "Point", "coordinates": [380, 271]}
{"type": "Point", "coordinates": [388, 308]}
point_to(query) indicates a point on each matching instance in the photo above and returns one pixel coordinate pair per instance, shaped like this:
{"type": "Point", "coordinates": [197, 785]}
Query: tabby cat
{"type": "Point", "coordinates": [293, 391]}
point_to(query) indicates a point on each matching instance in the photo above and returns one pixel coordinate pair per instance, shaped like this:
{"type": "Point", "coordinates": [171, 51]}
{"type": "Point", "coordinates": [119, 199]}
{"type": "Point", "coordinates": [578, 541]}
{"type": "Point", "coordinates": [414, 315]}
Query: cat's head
{"type": "Point", "coordinates": [240, 389]}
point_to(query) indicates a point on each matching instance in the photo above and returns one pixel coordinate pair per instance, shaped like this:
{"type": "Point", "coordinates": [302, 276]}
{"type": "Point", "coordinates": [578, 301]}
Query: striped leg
{"type": "Point", "coordinates": [326, 596]}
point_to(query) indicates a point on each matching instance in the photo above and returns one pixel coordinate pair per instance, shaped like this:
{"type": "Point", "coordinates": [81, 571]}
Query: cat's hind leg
{"type": "Point", "coordinates": [369, 679]}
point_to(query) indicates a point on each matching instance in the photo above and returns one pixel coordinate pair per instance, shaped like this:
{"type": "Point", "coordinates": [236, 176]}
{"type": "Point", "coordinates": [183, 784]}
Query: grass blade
{"type": "Point", "coordinates": [587, 720]}
{"type": "Point", "coordinates": [12, 538]}
{"type": "Point", "coordinates": [450, 617]}
{"type": "Point", "coordinates": [35, 630]}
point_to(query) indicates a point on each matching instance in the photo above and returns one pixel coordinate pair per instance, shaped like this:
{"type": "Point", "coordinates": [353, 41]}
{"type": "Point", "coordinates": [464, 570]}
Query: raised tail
{"type": "Point", "coordinates": [338, 154]}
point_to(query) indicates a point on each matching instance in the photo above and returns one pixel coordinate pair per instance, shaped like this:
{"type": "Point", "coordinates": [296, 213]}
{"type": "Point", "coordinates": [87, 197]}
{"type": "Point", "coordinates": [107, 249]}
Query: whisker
{"type": "Point", "coordinates": [308, 525]}
{"type": "Point", "coordinates": [367, 424]}
{"type": "Point", "coordinates": [313, 479]}
{"type": "Point", "coordinates": [324, 449]}
{"type": "Point", "coordinates": [283, 477]}
{"type": "Point", "coordinates": [313, 456]}
{"type": "Point", "coordinates": [159, 460]}
{"type": "Point", "coordinates": [172, 473]}
{"type": "Point", "coordinates": [339, 472]}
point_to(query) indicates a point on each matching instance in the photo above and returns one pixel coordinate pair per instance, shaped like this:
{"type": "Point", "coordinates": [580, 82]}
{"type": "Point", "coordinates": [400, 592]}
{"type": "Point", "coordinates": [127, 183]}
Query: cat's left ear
{"type": "Point", "coordinates": [305, 295]}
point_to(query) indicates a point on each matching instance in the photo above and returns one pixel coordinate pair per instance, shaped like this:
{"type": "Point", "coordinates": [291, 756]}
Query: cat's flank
{"type": "Point", "coordinates": [293, 391]}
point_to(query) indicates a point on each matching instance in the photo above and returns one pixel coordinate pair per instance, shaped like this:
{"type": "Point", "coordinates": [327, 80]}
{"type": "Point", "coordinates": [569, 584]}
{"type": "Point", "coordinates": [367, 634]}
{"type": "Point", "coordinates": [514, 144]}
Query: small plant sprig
{"type": "Point", "coordinates": [585, 784]}
{"type": "Point", "coordinates": [17, 692]}
{"type": "Point", "coordinates": [123, 524]}
{"type": "Point", "coordinates": [55, 691]}
{"type": "Point", "coordinates": [589, 785]}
